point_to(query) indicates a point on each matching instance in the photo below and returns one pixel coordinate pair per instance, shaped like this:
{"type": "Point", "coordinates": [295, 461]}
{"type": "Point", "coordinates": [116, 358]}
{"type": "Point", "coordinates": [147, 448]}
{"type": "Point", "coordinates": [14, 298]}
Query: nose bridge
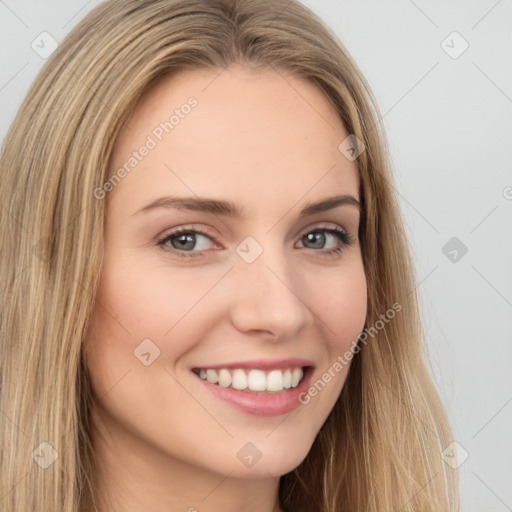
{"type": "Point", "coordinates": [267, 293]}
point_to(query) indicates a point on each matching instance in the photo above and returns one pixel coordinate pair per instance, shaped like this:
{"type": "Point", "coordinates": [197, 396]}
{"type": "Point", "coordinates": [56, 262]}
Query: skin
{"type": "Point", "coordinates": [267, 141]}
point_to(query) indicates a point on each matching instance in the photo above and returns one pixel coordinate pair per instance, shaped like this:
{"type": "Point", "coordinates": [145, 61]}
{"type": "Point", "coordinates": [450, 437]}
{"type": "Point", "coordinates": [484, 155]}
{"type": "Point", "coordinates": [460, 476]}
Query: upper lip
{"type": "Point", "coordinates": [261, 364]}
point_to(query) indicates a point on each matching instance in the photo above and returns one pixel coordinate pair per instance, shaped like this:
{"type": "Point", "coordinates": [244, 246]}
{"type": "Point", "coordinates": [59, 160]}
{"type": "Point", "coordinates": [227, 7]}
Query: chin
{"type": "Point", "coordinates": [271, 460]}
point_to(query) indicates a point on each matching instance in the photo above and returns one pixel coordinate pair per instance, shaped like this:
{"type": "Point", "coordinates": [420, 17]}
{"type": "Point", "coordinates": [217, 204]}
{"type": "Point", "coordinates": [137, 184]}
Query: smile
{"type": "Point", "coordinates": [253, 379]}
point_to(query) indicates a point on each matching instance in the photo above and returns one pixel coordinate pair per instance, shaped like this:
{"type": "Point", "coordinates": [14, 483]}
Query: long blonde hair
{"type": "Point", "coordinates": [380, 448]}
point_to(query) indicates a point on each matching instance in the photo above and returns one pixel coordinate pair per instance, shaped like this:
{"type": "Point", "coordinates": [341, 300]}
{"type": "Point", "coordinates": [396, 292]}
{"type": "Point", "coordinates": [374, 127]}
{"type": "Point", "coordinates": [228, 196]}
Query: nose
{"type": "Point", "coordinates": [268, 297]}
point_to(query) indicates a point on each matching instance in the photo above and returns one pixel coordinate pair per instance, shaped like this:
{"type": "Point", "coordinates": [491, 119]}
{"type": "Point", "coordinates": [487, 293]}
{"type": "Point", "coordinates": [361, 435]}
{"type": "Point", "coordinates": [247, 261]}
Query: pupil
{"type": "Point", "coordinates": [318, 236]}
{"type": "Point", "coordinates": [183, 239]}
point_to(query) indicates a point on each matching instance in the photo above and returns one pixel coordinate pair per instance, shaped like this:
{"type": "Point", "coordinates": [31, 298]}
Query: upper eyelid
{"type": "Point", "coordinates": [205, 232]}
{"type": "Point", "coordinates": [315, 225]}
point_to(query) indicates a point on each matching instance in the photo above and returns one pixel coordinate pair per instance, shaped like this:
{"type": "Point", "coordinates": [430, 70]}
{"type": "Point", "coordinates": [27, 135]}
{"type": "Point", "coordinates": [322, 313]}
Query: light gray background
{"type": "Point", "coordinates": [449, 123]}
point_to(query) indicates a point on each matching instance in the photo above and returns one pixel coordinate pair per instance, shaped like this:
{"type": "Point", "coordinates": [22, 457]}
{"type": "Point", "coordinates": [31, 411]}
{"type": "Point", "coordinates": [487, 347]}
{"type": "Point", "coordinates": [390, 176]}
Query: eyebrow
{"type": "Point", "coordinates": [230, 209]}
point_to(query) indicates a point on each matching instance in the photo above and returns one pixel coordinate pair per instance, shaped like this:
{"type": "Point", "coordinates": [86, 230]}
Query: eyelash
{"type": "Point", "coordinates": [344, 239]}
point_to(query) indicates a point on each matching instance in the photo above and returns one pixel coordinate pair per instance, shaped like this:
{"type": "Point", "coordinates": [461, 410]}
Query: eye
{"type": "Point", "coordinates": [186, 240]}
{"type": "Point", "coordinates": [183, 241]}
{"type": "Point", "coordinates": [319, 235]}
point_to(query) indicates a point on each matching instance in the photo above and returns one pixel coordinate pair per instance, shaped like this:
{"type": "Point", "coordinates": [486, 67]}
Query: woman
{"type": "Point", "coordinates": [257, 373]}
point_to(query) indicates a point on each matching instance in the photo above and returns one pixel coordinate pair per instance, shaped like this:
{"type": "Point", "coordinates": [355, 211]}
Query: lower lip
{"type": "Point", "coordinates": [261, 403]}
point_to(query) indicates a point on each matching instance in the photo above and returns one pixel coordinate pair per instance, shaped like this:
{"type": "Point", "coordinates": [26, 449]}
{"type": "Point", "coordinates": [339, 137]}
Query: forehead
{"type": "Point", "coordinates": [260, 136]}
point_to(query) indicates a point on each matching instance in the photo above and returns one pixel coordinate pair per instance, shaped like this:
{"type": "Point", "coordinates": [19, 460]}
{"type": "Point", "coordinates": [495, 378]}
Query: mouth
{"type": "Point", "coordinates": [259, 388]}
{"type": "Point", "coordinates": [255, 380]}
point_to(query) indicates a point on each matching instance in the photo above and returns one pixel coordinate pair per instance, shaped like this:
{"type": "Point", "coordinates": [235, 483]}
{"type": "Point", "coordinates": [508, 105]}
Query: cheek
{"type": "Point", "coordinates": [340, 301]}
{"type": "Point", "coordinates": [149, 302]}
{"type": "Point", "coordinates": [137, 302]}
{"type": "Point", "coordinates": [340, 304]}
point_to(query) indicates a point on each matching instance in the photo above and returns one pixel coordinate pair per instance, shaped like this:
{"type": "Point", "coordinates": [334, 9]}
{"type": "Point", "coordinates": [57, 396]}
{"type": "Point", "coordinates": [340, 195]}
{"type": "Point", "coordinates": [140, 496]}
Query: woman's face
{"type": "Point", "coordinates": [253, 299]}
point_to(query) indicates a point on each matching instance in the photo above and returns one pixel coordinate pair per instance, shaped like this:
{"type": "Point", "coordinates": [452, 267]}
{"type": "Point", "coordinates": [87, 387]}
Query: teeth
{"type": "Point", "coordinates": [275, 380]}
{"type": "Point", "coordinates": [224, 378]}
{"type": "Point", "coordinates": [211, 376]}
{"type": "Point", "coordinates": [287, 379]}
{"type": "Point", "coordinates": [257, 380]}
{"type": "Point", "coordinates": [296, 376]}
{"type": "Point", "coordinates": [239, 379]}
{"type": "Point", "coordinates": [254, 380]}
